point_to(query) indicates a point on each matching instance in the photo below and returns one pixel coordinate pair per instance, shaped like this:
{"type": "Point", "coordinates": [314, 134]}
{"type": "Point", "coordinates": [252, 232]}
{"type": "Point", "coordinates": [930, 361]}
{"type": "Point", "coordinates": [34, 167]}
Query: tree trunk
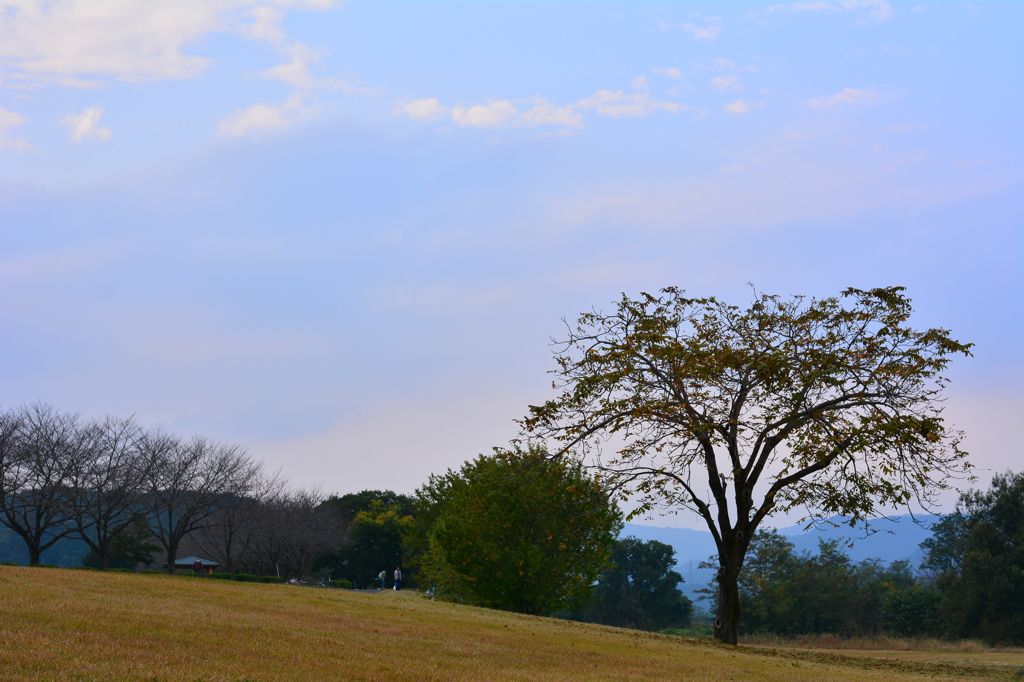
{"type": "Point", "coordinates": [727, 620]}
{"type": "Point", "coordinates": [172, 554]}
{"type": "Point", "coordinates": [104, 557]}
{"type": "Point", "coordinates": [33, 554]}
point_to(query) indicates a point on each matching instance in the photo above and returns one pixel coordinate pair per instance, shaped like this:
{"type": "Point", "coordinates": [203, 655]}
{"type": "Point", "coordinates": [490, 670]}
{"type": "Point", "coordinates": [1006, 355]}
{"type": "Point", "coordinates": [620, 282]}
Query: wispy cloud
{"type": "Point", "coordinates": [545, 112]}
{"type": "Point", "coordinates": [726, 83]}
{"type": "Point", "coordinates": [490, 115]}
{"type": "Point", "coordinates": [874, 10]}
{"type": "Point", "coordinates": [85, 126]}
{"type": "Point", "coordinates": [741, 107]}
{"type": "Point", "coordinates": [296, 72]}
{"type": "Point", "coordinates": [619, 104]}
{"type": "Point", "coordinates": [536, 111]}
{"type": "Point", "coordinates": [710, 32]}
{"type": "Point", "coordinates": [262, 118]}
{"type": "Point", "coordinates": [844, 96]}
{"type": "Point", "coordinates": [671, 72]}
{"type": "Point", "coordinates": [422, 109]}
{"type": "Point", "coordinates": [9, 119]}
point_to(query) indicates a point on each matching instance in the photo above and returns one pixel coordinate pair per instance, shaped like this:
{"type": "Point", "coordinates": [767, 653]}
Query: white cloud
{"type": "Point", "coordinates": [73, 42]}
{"type": "Point", "coordinates": [296, 72]}
{"type": "Point", "coordinates": [845, 96]}
{"type": "Point", "coordinates": [671, 72]}
{"type": "Point", "coordinates": [485, 115]}
{"type": "Point", "coordinates": [618, 104]}
{"type": "Point", "coordinates": [85, 126]}
{"type": "Point", "coordinates": [742, 106]}
{"type": "Point", "coordinates": [709, 33]}
{"type": "Point", "coordinates": [9, 119]}
{"type": "Point", "coordinates": [504, 113]}
{"type": "Point", "coordinates": [639, 83]}
{"type": "Point", "coordinates": [422, 109]}
{"type": "Point", "coordinates": [544, 112]}
{"type": "Point", "coordinates": [261, 118]}
{"type": "Point", "coordinates": [265, 25]}
{"type": "Point", "coordinates": [725, 83]}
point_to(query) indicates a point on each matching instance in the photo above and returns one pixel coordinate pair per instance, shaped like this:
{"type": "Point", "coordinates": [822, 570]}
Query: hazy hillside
{"type": "Point", "coordinates": [895, 540]}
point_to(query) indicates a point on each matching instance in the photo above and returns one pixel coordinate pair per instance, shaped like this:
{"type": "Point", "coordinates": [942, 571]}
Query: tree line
{"type": "Point", "coordinates": [970, 584]}
{"type": "Point", "coordinates": [120, 488]}
{"type": "Point", "coordinates": [515, 530]}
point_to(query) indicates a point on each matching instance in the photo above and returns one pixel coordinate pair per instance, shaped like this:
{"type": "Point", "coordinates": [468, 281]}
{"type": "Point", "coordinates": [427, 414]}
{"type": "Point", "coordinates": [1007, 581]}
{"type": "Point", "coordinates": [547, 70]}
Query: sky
{"type": "Point", "coordinates": [344, 235]}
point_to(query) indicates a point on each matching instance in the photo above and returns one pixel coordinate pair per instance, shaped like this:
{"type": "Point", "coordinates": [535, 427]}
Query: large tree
{"type": "Point", "coordinates": [187, 483]}
{"type": "Point", "coordinates": [38, 451]}
{"type": "Point", "coordinates": [831, 405]}
{"type": "Point", "coordinates": [105, 482]}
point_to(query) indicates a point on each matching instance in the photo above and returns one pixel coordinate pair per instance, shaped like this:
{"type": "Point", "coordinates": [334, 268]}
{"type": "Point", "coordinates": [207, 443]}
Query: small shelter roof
{"type": "Point", "coordinates": [189, 562]}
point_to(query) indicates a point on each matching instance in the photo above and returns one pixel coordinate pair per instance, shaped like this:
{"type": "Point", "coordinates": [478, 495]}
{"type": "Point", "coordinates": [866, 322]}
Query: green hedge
{"type": "Point", "coordinates": [9, 563]}
{"type": "Point", "coordinates": [221, 576]}
{"type": "Point", "coordinates": [246, 578]}
{"type": "Point", "coordinates": [343, 584]}
{"type": "Point", "coordinates": [271, 579]}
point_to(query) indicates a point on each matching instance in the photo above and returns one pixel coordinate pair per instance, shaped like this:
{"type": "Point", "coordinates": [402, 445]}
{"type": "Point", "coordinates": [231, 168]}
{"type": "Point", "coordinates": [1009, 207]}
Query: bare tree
{"type": "Point", "coordinates": [105, 482]}
{"type": "Point", "coordinates": [296, 528]}
{"type": "Point", "coordinates": [40, 446]}
{"type": "Point", "coordinates": [237, 527]}
{"type": "Point", "coordinates": [187, 483]}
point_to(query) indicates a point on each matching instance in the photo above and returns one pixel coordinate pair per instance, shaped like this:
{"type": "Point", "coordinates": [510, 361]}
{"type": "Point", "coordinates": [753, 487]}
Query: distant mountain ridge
{"type": "Point", "coordinates": [894, 540]}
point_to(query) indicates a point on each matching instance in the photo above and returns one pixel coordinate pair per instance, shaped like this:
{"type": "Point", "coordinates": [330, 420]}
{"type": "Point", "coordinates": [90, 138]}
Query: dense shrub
{"type": "Point", "coordinates": [343, 584]}
{"type": "Point", "coordinates": [246, 578]}
{"type": "Point", "coordinates": [221, 576]}
{"type": "Point", "coordinates": [9, 563]}
{"type": "Point", "coordinates": [270, 579]}
{"type": "Point", "coordinates": [912, 612]}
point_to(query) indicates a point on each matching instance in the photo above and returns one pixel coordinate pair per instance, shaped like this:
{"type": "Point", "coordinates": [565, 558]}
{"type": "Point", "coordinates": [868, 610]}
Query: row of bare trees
{"type": "Point", "coordinates": [64, 476]}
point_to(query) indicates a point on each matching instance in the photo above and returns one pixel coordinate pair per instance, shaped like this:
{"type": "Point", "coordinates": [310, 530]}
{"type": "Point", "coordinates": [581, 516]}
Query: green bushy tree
{"type": "Point", "coordinates": [514, 531]}
{"type": "Point", "coordinates": [978, 552]}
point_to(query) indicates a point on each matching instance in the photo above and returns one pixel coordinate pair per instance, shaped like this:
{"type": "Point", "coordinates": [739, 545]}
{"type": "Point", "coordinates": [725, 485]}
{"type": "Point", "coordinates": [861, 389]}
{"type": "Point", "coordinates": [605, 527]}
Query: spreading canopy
{"type": "Point", "coordinates": [833, 405]}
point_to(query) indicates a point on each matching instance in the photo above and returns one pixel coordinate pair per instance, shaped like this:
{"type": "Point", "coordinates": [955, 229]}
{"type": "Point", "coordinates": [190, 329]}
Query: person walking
{"type": "Point", "coordinates": [383, 580]}
{"type": "Point", "coordinates": [398, 578]}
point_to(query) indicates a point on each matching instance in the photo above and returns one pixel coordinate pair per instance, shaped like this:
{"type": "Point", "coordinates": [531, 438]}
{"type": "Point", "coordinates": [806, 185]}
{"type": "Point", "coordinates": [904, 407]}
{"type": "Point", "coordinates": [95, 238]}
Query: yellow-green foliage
{"type": "Point", "coordinates": [88, 625]}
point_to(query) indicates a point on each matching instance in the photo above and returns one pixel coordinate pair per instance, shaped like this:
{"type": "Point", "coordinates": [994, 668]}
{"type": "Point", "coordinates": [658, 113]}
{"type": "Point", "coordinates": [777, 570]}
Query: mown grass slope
{"type": "Point", "coordinates": [77, 625]}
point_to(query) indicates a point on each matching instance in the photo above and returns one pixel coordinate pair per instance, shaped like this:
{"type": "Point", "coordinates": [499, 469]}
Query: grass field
{"type": "Point", "coordinates": [75, 625]}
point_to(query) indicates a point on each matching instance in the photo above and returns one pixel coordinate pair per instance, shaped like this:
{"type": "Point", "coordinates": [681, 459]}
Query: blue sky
{"type": "Point", "coordinates": [343, 234]}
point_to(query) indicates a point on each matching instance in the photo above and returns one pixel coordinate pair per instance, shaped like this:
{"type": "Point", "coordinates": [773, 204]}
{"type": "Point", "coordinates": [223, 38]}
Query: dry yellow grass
{"type": "Point", "coordinates": [75, 625]}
